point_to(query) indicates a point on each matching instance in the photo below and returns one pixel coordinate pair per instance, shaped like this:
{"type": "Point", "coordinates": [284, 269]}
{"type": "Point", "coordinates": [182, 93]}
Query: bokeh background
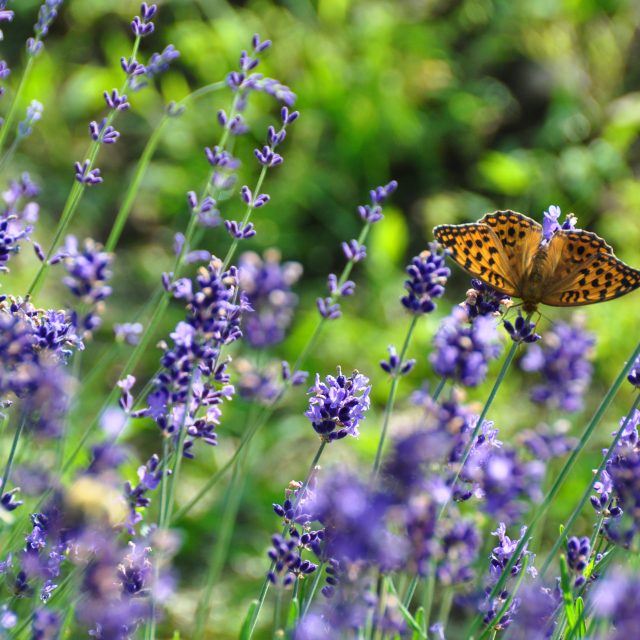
{"type": "Point", "coordinates": [471, 105]}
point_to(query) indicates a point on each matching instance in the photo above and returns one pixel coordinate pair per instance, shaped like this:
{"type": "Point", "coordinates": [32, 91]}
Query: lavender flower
{"type": "Point", "coordinates": [337, 406]}
{"type": "Point", "coordinates": [372, 213]}
{"type": "Point", "coordinates": [192, 376]}
{"type": "Point", "coordinates": [128, 332]}
{"type": "Point", "coordinates": [463, 350]}
{"type": "Point", "coordinates": [10, 240]}
{"type": "Point", "coordinates": [46, 625]}
{"type": "Point", "coordinates": [103, 132]}
{"type": "Point", "coordinates": [394, 366]}
{"type": "Point", "coordinates": [563, 359]}
{"type": "Point", "coordinates": [427, 278]}
{"type": "Point", "coordinates": [634, 374]}
{"type": "Point", "coordinates": [484, 300]}
{"type": "Point", "coordinates": [142, 25]}
{"type": "Point", "coordinates": [88, 269]}
{"type": "Point", "coordinates": [46, 15]}
{"type": "Point", "coordinates": [355, 523]}
{"type": "Point", "coordinates": [505, 483]}
{"type": "Point", "coordinates": [617, 598]}
{"type": "Point", "coordinates": [33, 115]}
{"type": "Point", "coordinates": [86, 175]}
{"type": "Point", "coordinates": [551, 222]}
{"type": "Point", "coordinates": [521, 330]}
{"type": "Point", "coordinates": [288, 563]}
{"type": "Point", "coordinates": [578, 555]}
{"type": "Point", "coordinates": [267, 284]}
{"type": "Point", "coordinates": [500, 557]}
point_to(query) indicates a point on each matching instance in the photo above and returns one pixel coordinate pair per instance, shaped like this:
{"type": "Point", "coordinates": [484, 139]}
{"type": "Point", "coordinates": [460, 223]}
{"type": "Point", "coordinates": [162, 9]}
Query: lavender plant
{"type": "Point", "coordinates": [415, 540]}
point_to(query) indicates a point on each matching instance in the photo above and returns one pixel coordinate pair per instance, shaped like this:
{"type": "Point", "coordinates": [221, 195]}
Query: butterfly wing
{"type": "Point", "coordinates": [520, 237]}
{"type": "Point", "coordinates": [476, 248]}
{"type": "Point", "coordinates": [582, 269]}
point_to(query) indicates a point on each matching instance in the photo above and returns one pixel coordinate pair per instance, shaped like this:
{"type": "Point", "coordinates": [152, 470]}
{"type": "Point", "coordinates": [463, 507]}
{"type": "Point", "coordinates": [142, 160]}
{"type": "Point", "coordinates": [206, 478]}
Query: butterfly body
{"type": "Point", "coordinates": [508, 251]}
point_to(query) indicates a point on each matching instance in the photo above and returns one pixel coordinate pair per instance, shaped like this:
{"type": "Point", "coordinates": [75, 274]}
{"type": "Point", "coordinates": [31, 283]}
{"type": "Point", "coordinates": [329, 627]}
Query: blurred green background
{"type": "Point", "coordinates": [471, 105]}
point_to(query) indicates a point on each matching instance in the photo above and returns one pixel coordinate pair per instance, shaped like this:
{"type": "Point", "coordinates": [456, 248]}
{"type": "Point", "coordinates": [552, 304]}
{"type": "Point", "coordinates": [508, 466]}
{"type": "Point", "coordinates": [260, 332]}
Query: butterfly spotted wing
{"type": "Point", "coordinates": [498, 249]}
{"type": "Point", "coordinates": [582, 269]}
{"type": "Point", "coordinates": [477, 249]}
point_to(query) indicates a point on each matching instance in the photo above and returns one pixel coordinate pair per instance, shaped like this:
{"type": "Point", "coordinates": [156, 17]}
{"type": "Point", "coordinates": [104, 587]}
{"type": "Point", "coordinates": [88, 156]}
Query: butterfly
{"type": "Point", "coordinates": [506, 250]}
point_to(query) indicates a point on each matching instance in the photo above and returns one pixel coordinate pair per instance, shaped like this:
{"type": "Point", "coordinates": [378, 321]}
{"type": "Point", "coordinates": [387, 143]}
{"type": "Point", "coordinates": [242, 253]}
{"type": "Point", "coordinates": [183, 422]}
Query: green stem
{"type": "Point", "coordinates": [75, 194]}
{"type": "Point", "coordinates": [232, 499]}
{"type": "Point", "coordinates": [507, 603]}
{"type": "Point", "coordinates": [175, 472]}
{"type": "Point", "coordinates": [143, 165]}
{"type": "Point", "coordinates": [265, 584]}
{"type": "Point", "coordinates": [11, 116]}
{"type": "Point", "coordinates": [276, 614]}
{"type": "Point", "coordinates": [587, 493]}
{"type": "Point", "coordinates": [12, 453]}
{"type": "Point", "coordinates": [391, 399]}
{"type": "Point", "coordinates": [427, 603]}
{"type": "Point", "coordinates": [445, 607]}
{"type": "Point", "coordinates": [469, 446]}
{"type": "Point", "coordinates": [411, 589]}
{"type": "Point", "coordinates": [564, 472]}
{"type": "Point", "coordinates": [312, 591]}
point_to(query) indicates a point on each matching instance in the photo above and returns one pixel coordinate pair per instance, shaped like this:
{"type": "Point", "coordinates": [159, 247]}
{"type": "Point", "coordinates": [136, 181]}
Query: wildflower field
{"type": "Point", "coordinates": [310, 324]}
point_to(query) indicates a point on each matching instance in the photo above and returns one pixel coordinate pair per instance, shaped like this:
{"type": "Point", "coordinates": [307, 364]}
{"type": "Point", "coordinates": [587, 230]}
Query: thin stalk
{"type": "Point", "coordinates": [232, 499]}
{"type": "Point", "coordinates": [143, 164]}
{"type": "Point", "coordinates": [12, 453]}
{"type": "Point", "coordinates": [62, 438]}
{"type": "Point", "coordinates": [276, 613]}
{"type": "Point", "coordinates": [11, 115]}
{"type": "Point", "coordinates": [469, 446]}
{"type": "Point", "coordinates": [427, 601]}
{"type": "Point", "coordinates": [564, 472]}
{"type": "Point", "coordinates": [507, 603]}
{"type": "Point", "coordinates": [76, 192]}
{"type": "Point", "coordinates": [445, 607]}
{"type": "Point", "coordinates": [391, 399]}
{"type": "Point", "coordinates": [312, 591]}
{"type": "Point", "coordinates": [175, 472]}
{"type": "Point", "coordinates": [265, 584]}
{"type": "Point", "coordinates": [587, 493]}
{"type": "Point", "coordinates": [411, 589]}
{"type": "Point", "coordinates": [245, 218]}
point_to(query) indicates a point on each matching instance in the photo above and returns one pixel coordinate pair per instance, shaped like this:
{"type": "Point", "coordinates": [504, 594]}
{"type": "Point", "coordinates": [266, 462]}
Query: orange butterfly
{"type": "Point", "coordinates": [505, 250]}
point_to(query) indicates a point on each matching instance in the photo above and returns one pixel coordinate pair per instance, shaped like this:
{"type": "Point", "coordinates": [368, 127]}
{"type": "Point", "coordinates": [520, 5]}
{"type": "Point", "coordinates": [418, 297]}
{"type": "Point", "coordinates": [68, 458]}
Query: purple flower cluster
{"type": "Point", "coordinates": [17, 218]}
{"type": "Point", "coordinates": [337, 405]}
{"type": "Point", "coordinates": [618, 488]}
{"type": "Point", "coordinates": [563, 360]}
{"type": "Point", "coordinates": [500, 557]}
{"type": "Point", "coordinates": [464, 349]}
{"type": "Point", "coordinates": [329, 307]}
{"type": "Point", "coordinates": [33, 345]}
{"type": "Point", "coordinates": [428, 275]}
{"type": "Point", "coordinates": [484, 300]}
{"type": "Point", "coordinates": [46, 15]}
{"type": "Point", "coordinates": [267, 384]}
{"type": "Point", "coordinates": [617, 599]}
{"type": "Point", "coordinates": [551, 222]}
{"type": "Point", "coordinates": [192, 376]}
{"type": "Point", "coordinates": [267, 284]}
{"type": "Point", "coordinates": [88, 273]}
{"type": "Point", "coordinates": [245, 80]}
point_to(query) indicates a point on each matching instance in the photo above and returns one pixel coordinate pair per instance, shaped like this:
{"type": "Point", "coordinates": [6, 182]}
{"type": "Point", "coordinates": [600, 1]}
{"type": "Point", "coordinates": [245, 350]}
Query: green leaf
{"type": "Point", "coordinates": [582, 626]}
{"type": "Point", "coordinates": [294, 612]}
{"type": "Point", "coordinates": [567, 596]}
{"type": "Point", "coordinates": [419, 633]}
{"type": "Point", "coordinates": [245, 632]}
